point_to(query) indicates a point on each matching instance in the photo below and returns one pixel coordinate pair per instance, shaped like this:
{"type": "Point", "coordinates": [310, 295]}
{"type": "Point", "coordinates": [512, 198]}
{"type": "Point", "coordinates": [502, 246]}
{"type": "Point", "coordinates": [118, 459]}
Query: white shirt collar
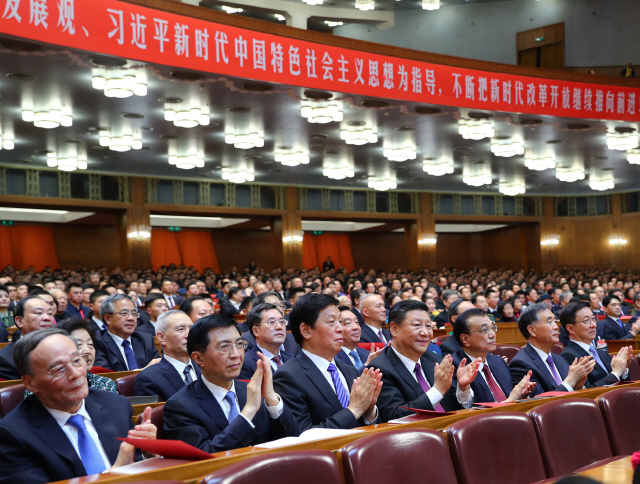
{"type": "Point", "coordinates": [471, 359]}
{"type": "Point", "coordinates": [319, 361]}
{"type": "Point", "coordinates": [347, 350]}
{"type": "Point", "coordinates": [266, 353]}
{"type": "Point", "coordinates": [218, 392]}
{"type": "Point", "coordinates": [118, 339]}
{"type": "Point", "coordinates": [100, 324]}
{"type": "Point", "coordinates": [582, 345]}
{"type": "Point", "coordinates": [375, 330]}
{"type": "Point", "coordinates": [234, 304]}
{"type": "Point", "coordinates": [177, 364]}
{"type": "Point", "coordinates": [407, 362]}
{"type": "Point", "coordinates": [62, 417]}
{"type": "Point", "coordinates": [541, 353]}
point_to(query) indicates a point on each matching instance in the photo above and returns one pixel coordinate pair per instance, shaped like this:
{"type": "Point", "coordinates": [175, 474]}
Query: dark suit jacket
{"type": "Point", "coordinates": [227, 308]}
{"type": "Point", "coordinates": [527, 359]}
{"type": "Point", "coordinates": [72, 311]}
{"type": "Point", "coordinates": [449, 346]}
{"type": "Point", "coordinates": [442, 318]}
{"type": "Point", "coordinates": [612, 329]}
{"type": "Point", "coordinates": [8, 370]}
{"type": "Point", "coordinates": [177, 299]}
{"type": "Point", "coordinates": [146, 327]}
{"type": "Point", "coordinates": [108, 354]}
{"type": "Point", "coordinates": [499, 370]}
{"type": "Point", "coordinates": [194, 416]}
{"type": "Point", "coordinates": [400, 388]}
{"type": "Point", "coordinates": [564, 334]}
{"type": "Point", "coordinates": [346, 359]}
{"type": "Point", "coordinates": [358, 314]}
{"type": "Point", "coordinates": [368, 336]}
{"type": "Point", "coordinates": [310, 397]}
{"type": "Point", "coordinates": [34, 449]}
{"type": "Point", "coordinates": [598, 377]}
{"type": "Point", "coordinates": [290, 345]}
{"type": "Point", "coordinates": [4, 334]}
{"type": "Point", "coordinates": [161, 379]}
{"type": "Point", "coordinates": [250, 363]}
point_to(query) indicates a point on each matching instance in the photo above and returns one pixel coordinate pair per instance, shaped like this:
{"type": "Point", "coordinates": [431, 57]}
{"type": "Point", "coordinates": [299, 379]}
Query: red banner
{"type": "Point", "coordinates": [133, 32]}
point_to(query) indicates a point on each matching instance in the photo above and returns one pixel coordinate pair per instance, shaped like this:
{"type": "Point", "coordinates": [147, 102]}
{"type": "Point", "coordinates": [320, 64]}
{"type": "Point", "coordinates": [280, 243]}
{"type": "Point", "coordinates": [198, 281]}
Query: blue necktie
{"type": "Point", "coordinates": [596, 357]}
{"type": "Point", "coordinates": [230, 397]}
{"type": "Point", "coordinates": [356, 359]}
{"type": "Point", "coordinates": [341, 391]}
{"type": "Point", "coordinates": [131, 358]}
{"type": "Point", "coordinates": [89, 453]}
{"type": "Point", "coordinates": [620, 323]}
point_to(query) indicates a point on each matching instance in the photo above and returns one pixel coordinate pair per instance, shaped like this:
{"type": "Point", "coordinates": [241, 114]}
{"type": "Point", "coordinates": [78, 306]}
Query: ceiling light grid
{"type": "Point", "coordinates": [476, 129]}
{"type": "Point", "coordinates": [358, 137]}
{"type": "Point", "coordinates": [365, 5]}
{"type": "Point", "coordinates": [119, 83]}
{"type": "Point", "coordinates": [437, 166]}
{"type": "Point", "coordinates": [400, 154]}
{"type": "Point", "coordinates": [238, 175]}
{"type": "Point", "coordinates": [622, 140]}
{"type": "Point", "coordinates": [121, 143]}
{"type": "Point", "coordinates": [229, 9]}
{"type": "Point", "coordinates": [569, 174]}
{"type": "Point", "coordinates": [48, 119]}
{"type": "Point", "coordinates": [539, 164]}
{"type": "Point", "coordinates": [244, 141]}
{"type": "Point", "coordinates": [321, 114]}
{"type": "Point", "coordinates": [601, 180]}
{"type": "Point", "coordinates": [291, 159]}
{"type": "Point", "coordinates": [476, 174]}
{"type": "Point", "coordinates": [383, 183]}
{"type": "Point", "coordinates": [72, 160]}
{"type": "Point", "coordinates": [187, 118]}
{"type": "Point", "coordinates": [506, 147]}
{"type": "Point", "coordinates": [6, 143]}
{"type": "Point", "coordinates": [430, 4]}
{"type": "Point", "coordinates": [633, 156]}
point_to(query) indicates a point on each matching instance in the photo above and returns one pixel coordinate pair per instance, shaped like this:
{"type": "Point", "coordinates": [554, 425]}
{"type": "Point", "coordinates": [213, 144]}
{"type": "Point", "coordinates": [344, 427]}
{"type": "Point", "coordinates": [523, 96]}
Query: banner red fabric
{"type": "Point", "coordinates": [28, 245]}
{"type": "Point", "coordinates": [130, 31]}
{"type": "Point", "coordinates": [164, 249]}
{"type": "Point", "coordinates": [189, 247]}
{"type": "Point", "coordinates": [316, 249]}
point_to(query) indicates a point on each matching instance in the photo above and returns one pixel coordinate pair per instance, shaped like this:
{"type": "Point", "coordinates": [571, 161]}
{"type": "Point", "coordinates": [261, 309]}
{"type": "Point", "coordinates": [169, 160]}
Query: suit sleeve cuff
{"type": "Point", "coordinates": [275, 412]}
{"type": "Point", "coordinates": [375, 418]}
{"type": "Point", "coordinates": [434, 396]}
{"type": "Point", "coordinates": [567, 386]}
{"type": "Point", "coordinates": [465, 398]}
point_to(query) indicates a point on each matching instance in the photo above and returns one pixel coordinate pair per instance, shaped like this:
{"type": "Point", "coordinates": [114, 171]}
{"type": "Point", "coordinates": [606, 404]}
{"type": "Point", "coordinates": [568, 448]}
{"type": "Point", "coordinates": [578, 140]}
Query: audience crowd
{"type": "Point", "coordinates": [252, 356]}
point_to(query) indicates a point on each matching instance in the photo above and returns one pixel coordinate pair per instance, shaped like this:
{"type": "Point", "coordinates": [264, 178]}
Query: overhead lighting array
{"type": "Point", "coordinates": [476, 175]}
{"type": "Point", "coordinates": [119, 85]}
{"type": "Point", "coordinates": [382, 183]}
{"type": "Point", "coordinates": [6, 143]}
{"type": "Point", "coordinates": [399, 154]}
{"type": "Point", "coordinates": [430, 4]}
{"type": "Point", "coordinates": [238, 175]}
{"type": "Point", "coordinates": [293, 237]}
{"type": "Point", "coordinates": [622, 141]}
{"type": "Point", "coordinates": [506, 147]}
{"type": "Point", "coordinates": [244, 141]}
{"type": "Point", "coordinates": [47, 119]}
{"type": "Point", "coordinates": [313, 2]}
{"type": "Point", "coordinates": [187, 118]}
{"type": "Point", "coordinates": [120, 143]}
{"type": "Point", "coordinates": [292, 159]}
{"type": "Point", "coordinates": [569, 174]}
{"type": "Point", "coordinates": [539, 164]}
{"type": "Point", "coordinates": [321, 114]}
{"type": "Point", "coordinates": [438, 167]}
{"type": "Point", "coordinates": [68, 163]}
{"type": "Point", "coordinates": [358, 137]}
{"type": "Point", "coordinates": [475, 129]}
{"type": "Point", "coordinates": [229, 9]}
{"type": "Point", "coordinates": [365, 5]}
{"type": "Point", "coordinates": [633, 156]}
{"type": "Point", "coordinates": [186, 162]}
{"type": "Point", "coordinates": [511, 189]}
{"type": "Point", "coordinates": [601, 180]}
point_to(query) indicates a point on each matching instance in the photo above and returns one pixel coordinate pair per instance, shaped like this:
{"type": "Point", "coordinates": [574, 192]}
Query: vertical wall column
{"type": "Point", "coordinates": [427, 226]}
{"type": "Point", "coordinates": [548, 227]}
{"type": "Point", "coordinates": [617, 252]}
{"type": "Point", "coordinates": [135, 252]}
{"type": "Point", "coordinates": [291, 226]}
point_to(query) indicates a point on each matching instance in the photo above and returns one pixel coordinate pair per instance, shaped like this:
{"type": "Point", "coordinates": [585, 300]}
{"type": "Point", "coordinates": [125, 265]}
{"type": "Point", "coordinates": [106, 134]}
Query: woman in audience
{"type": "Point", "coordinates": [506, 313]}
{"type": "Point", "coordinates": [516, 302]}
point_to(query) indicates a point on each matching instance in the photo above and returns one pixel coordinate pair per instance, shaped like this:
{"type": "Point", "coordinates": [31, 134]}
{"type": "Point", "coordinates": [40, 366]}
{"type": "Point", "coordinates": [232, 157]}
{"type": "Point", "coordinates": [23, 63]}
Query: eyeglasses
{"type": "Point", "coordinates": [486, 330]}
{"type": "Point", "coordinates": [61, 370]}
{"type": "Point", "coordinates": [273, 322]}
{"type": "Point", "coordinates": [588, 321]}
{"type": "Point", "coordinates": [226, 348]}
{"type": "Point", "coordinates": [125, 313]}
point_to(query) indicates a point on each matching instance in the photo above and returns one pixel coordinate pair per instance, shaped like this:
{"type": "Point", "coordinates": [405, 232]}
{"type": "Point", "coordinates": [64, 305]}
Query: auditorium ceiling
{"type": "Point", "coordinates": [36, 72]}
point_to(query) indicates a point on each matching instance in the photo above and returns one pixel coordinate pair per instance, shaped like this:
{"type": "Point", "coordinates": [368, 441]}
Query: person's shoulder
{"type": "Point", "coordinates": [107, 398]}
{"type": "Point", "coordinates": [145, 337]}
{"type": "Point", "coordinates": [7, 352]}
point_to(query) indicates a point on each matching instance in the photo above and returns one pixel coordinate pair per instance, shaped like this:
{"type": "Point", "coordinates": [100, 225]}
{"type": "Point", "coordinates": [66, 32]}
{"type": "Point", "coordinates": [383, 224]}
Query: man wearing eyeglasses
{"type": "Point", "coordinates": [581, 325]}
{"type": "Point", "coordinates": [476, 335]}
{"type": "Point", "coordinates": [614, 328]}
{"type": "Point", "coordinates": [551, 372]}
{"type": "Point", "coordinates": [218, 412]}
{"type": "Point", "coordinates": [121, 347]}
{"type": "Point", "coordinates": [65, 430]}
{"type": "Point", "coordinates": [267, 324]}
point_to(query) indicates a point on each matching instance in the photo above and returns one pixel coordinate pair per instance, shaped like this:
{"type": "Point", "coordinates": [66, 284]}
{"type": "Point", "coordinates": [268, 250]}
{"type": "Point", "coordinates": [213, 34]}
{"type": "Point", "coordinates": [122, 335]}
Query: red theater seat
{"type": "Point", "coordinates": [125, 385]}
{"type": "Point", "coordinates": [10, 398]}
{"type": "Point", "coordinates": [506, 350]}
{"type": "Point", "coordinates": [620, 413]}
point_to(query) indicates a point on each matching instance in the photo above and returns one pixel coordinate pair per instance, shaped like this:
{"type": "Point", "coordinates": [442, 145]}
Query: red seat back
{"type": "Point", "coordinates": [124, 384]}
{"type": "Point", "coordinates": [10, 398]}
{"type": "Point", "coordinates": [634, 370]}
{"type": "Point", "coordinates": [571, 434]}
{"type": "Point", "coordinates": [620, 413]}
{"type": "Point", "coordinates": [368, 460]}
{"type": "Point", "coordinates": [500, 448]}
{"type": "Point", "coordinates": [303, 466]}
{"type": "Point", "coordinates": [507, 350]}
{"type": "Point", "coordinates": [557, 348]}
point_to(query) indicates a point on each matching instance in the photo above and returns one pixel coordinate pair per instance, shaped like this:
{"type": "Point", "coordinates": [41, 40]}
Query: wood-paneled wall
{"type": "Point", "coordinates": [91, 246]}
{"type": "Point", "coordinates": [379, 250]}
{"type": "Point", "coordinates": [239, 247]}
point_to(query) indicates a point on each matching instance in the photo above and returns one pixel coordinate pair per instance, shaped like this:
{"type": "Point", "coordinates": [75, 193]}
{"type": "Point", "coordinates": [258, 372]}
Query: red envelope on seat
{"type": "Point", "coordinates": [172, 449]}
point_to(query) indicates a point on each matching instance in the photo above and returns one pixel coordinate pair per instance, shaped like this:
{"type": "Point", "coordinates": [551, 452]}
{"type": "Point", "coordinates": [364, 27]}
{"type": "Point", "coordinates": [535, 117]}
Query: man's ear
{"type": "Point", "coordinates": [393, 328]}
{"type": "Point", "coordinates": [196, 356]}
{"type": "Point", "coordinates": [27, 381]}
{"type": "Point", "coordinates": [18, 321]}
{"type": "Point", "coordinates": [305, 330]}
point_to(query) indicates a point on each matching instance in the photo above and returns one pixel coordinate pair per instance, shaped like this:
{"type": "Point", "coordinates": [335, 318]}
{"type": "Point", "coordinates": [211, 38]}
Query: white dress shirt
{"type": "Point", "coordinates": [100, 324]}
{"type": "Point", "coordinates": [72, 433]}
{"type": "Point", "coordinates": [119, 341]}
{"type": "Point", "coordinates": [235, 304]}
{"type": "Point", "coordinates": [378, 332]}
{"type": "Point", "coordinates": [219, 393]}
{"type": "Point", "coordinates": [323, 366]}
{"type": "Point", "coordinates": [465, 398]}
{"type": "Point", "coordinates": [269, 355]}
{"type": "Point", "coordinates": [348, 352]}
{"type": "Point", "coordinates": [180, 366]}
{"type": "Point", "coordinates": [544, 357]}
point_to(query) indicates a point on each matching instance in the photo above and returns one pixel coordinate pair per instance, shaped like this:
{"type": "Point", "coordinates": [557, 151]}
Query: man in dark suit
{"type": "Point", "coordinates": [581, 324]}
{"type": "Point", "coordinates": [551, 372]}
{"type": "Point", "coordinates": [267, 324]}
{"type": "Point", "coordinates": [218, 412]}
{"type": "Point", "coordinates": [95, 302]}
{"type": "Point", "coordinates": [172, 299]}
{"type": "Point", "coordinates": [230, 305]}
{"type": "Point", "coordinates": [32, 314]}
{"type": "Point", "coordinates": [65, 430]}
{"type": "Point", "coordinates": [196, 307]}
{"type": "Point", "coordinates": [448, 297]}
{"type": "Point", "coordinates": [374, 314]}
{"type": "Point", "coordinates": [175, 370]}
{"type": "Point", "coordinates": [350, 353]}
{"type": "Point", "coordinates": [321, 391]}
{"type": "Point", "coordinates": [356, 294]}
{"type": "Point", "coordinates": [154, 305]}
{"type": "Point", "coordinates": [476, 335]}
{"type": "Point", "coordinates": [409, 374]}
{"type": "Point", "coordinates": [614, 328]}
{"type": "Point", "coordinates": [121, 347]}
{"type": "Point", "coordinates": [75, 306]}
{"type": "Point", "coordinates": [492, 296]}
{"type": "Point", "coordinates": [449, 346]}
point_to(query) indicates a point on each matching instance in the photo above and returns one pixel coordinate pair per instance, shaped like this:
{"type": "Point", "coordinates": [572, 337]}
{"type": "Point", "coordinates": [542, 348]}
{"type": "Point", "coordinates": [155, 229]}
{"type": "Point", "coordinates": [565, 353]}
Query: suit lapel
{"type": "Point", "coordinates": [50, 432]}
{"type": "Point", "coordinates": [210, 405]}
{"type": "Point", "coordinates": [112, 347]}
{"type": "Point", "coordinates": [241, 394]}
{"type": "Point", "coordinates": [104, 426]}
{"type": "Point", "coordinates": [139, 351]}
{"type": "Point", "coordinates": [540, 365]}
{"type": "Point", "coordinates": [370, 334]}
{"type": "Point", "coordinates": [171, 374]}
{"type": "Point", "coordinates": [403, 372]}
{"type": "Point", "coordinates": [319, 381]}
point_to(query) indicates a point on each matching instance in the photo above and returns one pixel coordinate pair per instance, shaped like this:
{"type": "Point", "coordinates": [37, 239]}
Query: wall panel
{"type": "Point", "coordinates": [239, 247]}
{"type": "Point", "coordinates": [91, 246]}
{"type": "Point", "coordinates": [379, 250]}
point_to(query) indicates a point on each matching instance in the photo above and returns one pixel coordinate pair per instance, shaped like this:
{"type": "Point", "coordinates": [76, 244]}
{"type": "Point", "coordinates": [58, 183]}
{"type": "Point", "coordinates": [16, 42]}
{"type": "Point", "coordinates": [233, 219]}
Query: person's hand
{"type": "Point", "coordinates": [254, 392]}
{"type": "Point", "coordinates": [151, 363]}
{"type": "Point", "coordinates": [506, 360]}
{"type": "Point", "coordinates": [373, 353]}
{"type": "Point", "coordinates": [443, 374]}
{"type": "Point", "coordinates": [620, 362]}
{"type": "Point", "coordinates": [370, 415]}
{"type": "Point", "coordinates": [635, 327]}
{"type": "Point", "coordinates": [126, 455]}
{"type": "Point", "coordinates": [579, 371]}
{"type": "Point", "coordinates": [362, 392]}
{"type": "Point", "coordinates": [467, 373]}
{"type": "Point", "coordinates": [270, 396]}
{"type": "Point", "coordinates": [522, 389]}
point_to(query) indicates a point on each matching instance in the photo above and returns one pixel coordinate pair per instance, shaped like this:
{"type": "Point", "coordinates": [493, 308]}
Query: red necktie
{"type": "Point", "coordinates": [278, 360]}
{"type": "Point", "coordinates": [493, 385]}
